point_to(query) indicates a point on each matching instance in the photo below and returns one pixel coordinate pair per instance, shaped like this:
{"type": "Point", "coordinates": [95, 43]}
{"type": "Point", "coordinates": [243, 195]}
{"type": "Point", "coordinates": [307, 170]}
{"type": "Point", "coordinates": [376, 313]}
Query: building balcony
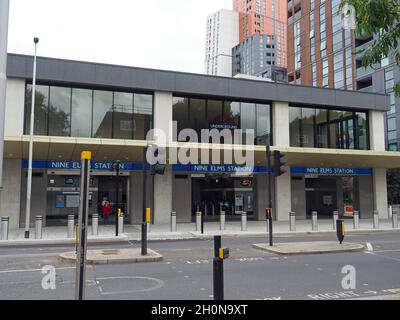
{"type": "Point", "coordinates": [362, 72]}
{"type": "Point", "coordinates": [293, 3]}
{"type": "Point", "coordinates": [362, 47]}
{"type": "Point", "coordinates": [367, 89]}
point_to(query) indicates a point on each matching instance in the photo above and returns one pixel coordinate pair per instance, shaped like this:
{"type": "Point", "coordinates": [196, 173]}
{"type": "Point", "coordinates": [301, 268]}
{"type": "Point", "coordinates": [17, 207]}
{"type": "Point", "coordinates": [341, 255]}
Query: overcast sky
{"type": "Point", "coordinates": [161, 34]}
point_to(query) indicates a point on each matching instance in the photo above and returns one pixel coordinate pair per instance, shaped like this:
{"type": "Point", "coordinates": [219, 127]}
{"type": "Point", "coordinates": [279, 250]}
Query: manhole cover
{"type": "Point", "coordinates": [128, 284]}
{"type": "Point", "coordinates": [110, 252]}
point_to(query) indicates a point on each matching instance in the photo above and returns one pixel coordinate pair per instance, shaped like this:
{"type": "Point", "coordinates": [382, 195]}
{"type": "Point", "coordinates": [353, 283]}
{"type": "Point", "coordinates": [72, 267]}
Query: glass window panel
{"type": "Point", "coordinates": [391, 124]}
{"type": "Point", "coordinates": [362, 130]}
{"type": "Point", "coordinates": [348, 134]}
{"type": "Point", "coordinates": [294, 126]}
{"type": "Point", "coordinates": [322, 128]}
{"type": "Point", "coordinates": [143, 115]}
{"type": "Point", "coordinates": [59, 111]}
{"type": "Point", "coordinates": [180, 114]}
{"type": "Point", "coordinates": [102, 114]}
{"type": "Point", "coordinates": [198, 115]}
{"type": "Point", "coordinates": [232, 113]}
{"type": "Point", "coordinates": [248, 118]}
{"type": "Point", "coordinates": [392, 135]}
{"type": "Point", "coordinates": [308, 127]}
{"type": "Point", "coordinates": [41, 109]}
{"type": "Point", "coordinates": [335, 129]}
{"type": "Point", "coordinates": [214, 113]}
{"type": "Point", "coordinates": [81, 113]}
{"type": "Point", "coordinates": [123, 115]}
{"type": "Point", "coordinates": [263, 135]}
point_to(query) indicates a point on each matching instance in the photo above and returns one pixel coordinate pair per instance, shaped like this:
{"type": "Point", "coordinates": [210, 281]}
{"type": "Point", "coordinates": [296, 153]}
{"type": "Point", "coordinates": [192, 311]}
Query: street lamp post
{"type": "Point", "coordinates": [4, 13]}
{"type": "Point", "coordinates": [117, 168]}
{"type": "Point", "coordinates": [29, 184]}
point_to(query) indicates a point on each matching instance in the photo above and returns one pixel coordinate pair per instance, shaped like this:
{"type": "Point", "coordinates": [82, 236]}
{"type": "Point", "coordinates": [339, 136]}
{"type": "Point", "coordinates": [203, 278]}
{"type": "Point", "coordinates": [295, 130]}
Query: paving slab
{"type": "Point", "coordinates": [289, 248]}
{"type": "Point", "coordinates": [108, 256]}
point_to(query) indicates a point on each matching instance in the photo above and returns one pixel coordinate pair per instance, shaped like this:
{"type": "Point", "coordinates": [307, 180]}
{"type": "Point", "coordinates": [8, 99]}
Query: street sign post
{"type": "Point", "coordinates": [340, 230]}
{"type": "Point", "coordinates": [220, 254]}
{"type": "Point", "coordinates": [83, 226]}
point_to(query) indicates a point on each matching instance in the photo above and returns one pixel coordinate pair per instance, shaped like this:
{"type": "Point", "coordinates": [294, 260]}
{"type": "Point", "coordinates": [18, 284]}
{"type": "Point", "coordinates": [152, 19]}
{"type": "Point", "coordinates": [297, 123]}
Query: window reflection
{"type": "Point", "coordinates": [59, 111]}
{"type": "Point", "coordinates": [334, 129]}
{"type": "Point", "coordinates": [102, 114]}
{"type": "Point", "coordinates": [180, 114]}
{"type": "Point", "coordinates": [81, 112]}
{"type": "Point", "coordinates": [41, 109]}
{"type": "Point", "coordinates": [198, 114]}
{"type": "Point", "coordinates": [123, 125]}
{"type": "Point", "coordinates": [63, 111]}
{"type": "Point", "coordinates": [263, 124]}
{"type": "Point", "coordinates": [143, 115]}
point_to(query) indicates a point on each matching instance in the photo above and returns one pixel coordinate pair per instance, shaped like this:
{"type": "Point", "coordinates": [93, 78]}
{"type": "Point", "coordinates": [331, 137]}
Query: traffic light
{"type": "Point", "coordinates": [279, 163]}
{"type": "Point", "coordinates": [157, 169]}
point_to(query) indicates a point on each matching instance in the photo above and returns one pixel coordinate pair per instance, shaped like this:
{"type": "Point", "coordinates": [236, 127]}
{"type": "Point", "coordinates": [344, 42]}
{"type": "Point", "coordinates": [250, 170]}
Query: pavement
{"type": "Point", "coordinates": [108, 256]}
{"type": "Point", "coordinates": [186, 271]}
{"type": "Point", "coordinates": [58, 235]}
{"type": "Point", "coordinates": [288, 248]}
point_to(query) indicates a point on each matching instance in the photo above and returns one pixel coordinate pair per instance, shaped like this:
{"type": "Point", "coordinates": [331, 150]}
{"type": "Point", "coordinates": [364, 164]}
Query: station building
{"type": "Point", "coordinates": [334, 141]}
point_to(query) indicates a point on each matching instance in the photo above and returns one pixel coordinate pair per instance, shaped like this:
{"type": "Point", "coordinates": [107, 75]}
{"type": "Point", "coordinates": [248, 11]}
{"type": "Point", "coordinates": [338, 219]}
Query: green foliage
{"type": "Point", "coordinates": [378, 17]}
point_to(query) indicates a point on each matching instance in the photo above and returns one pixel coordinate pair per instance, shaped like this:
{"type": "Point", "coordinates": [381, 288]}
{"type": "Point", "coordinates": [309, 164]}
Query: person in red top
{"type": "Point", "coordinates": [106, 209]}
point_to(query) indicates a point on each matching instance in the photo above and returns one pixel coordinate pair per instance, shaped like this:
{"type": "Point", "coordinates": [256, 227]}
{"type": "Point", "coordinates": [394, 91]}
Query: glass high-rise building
{"type": "Point", "coordinates": [320, 52]}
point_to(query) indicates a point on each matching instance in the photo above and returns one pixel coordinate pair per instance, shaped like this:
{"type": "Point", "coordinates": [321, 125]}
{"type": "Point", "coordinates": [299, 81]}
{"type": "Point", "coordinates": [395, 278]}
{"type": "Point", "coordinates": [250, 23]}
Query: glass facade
{"type": "Point", "coordinates": [198, 114]}
{"type": "Point", "coordinates": [76, 112]}
{"type": "Point", "coordinates": [322, 128]}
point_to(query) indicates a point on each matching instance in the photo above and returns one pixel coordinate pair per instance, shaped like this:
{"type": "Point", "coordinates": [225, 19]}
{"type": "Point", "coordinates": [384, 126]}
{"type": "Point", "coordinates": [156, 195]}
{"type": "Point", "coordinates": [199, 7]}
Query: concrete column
{"type": "Point", "coordinates": [10, 195]}
{"type": "Point", "coordinates": [163, 184]}
{"type": "Point", "coordinates": [377, 130]}
{"type": "Point", "coordinates": [15, 105]}
{"type": "Point", "coordinates": [283, 196]}
{"type": "Point", "coordinates": [280, 124]}
{"type": "Point", "coordinates": [163, 196]}
{"type": "Point", "coordinates": [380, 192]}
{"type": "Point", "coordinates": [163, 113]}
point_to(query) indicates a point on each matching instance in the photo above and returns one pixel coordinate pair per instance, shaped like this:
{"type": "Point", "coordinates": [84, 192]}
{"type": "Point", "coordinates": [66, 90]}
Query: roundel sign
{"type": "Point", "coordinates": [246, 182]}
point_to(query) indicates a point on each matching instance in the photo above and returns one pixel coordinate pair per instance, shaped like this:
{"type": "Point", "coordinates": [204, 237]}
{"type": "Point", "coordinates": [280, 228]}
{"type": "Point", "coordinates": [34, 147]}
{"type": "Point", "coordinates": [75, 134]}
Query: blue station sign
{"type": "Point", "coordinates": [331, 171]}
{"type": "Point", "coordinates": [76, 165]}
{"type": "Point", "coordinates": [198, 168]}
{"type": "Point", "coordinates": [222, 168]}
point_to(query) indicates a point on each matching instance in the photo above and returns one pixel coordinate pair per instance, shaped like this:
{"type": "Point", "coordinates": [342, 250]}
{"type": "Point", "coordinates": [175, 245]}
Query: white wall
{"type": "Point", "coordinates": [377, 130]}
{"type": "Point", "coordinates": [283, 194]}
{"type": "Point", "coordinates": [224, 35]}
{"type": "Point", "coordinates": [10, 195]}
{"type": "Point", "coordinates": [380, 192]}
{"type": "Point", "coordinates": [163, 184]}
{"type": "Point", "coordinates": [15, 100]}
{"type": "Point", "coordinates": [377, 141]}
{"type": "Point", "coordinates": [280, 124]}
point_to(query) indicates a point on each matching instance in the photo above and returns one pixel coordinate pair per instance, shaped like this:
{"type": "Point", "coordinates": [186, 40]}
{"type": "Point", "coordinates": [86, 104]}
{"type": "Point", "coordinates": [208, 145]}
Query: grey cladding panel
{"type": "Point", "coordinates": [95, 74]}
{"type": "Point", "coordinates": [107, 75]}
{"type": "Point", "coordinates": [165, 81]}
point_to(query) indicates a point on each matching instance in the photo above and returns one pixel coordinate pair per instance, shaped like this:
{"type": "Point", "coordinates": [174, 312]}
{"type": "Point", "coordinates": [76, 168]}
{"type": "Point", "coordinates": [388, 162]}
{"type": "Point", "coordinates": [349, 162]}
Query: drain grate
{"type": "Point", "coordinates": [109, 252]}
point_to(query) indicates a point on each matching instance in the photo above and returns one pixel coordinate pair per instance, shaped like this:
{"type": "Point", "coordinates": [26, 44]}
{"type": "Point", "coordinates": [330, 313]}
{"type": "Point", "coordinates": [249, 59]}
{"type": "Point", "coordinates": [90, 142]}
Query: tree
{"type": "Point", "coordinates": [382, 19]}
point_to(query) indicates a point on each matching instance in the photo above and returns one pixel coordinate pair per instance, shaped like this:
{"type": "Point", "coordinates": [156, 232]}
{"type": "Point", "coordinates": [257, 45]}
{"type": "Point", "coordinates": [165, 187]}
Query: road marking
{"type": "Point", "coordinates": [369, 246]}
{"type": "Point", "coordinates": [381, 255]}
{"type": "Point", "coordinates": [395, 290]}
{"type": "Point", "coordinates": [34, 270]}
{"type": "Point", "coordinates": [389, 250]}
{"type": "Point", "coordinates": [159, 284]}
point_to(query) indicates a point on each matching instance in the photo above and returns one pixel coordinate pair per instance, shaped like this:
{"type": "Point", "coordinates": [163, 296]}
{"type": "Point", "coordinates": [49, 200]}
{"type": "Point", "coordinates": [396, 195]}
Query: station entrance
{"type": "Point", "coordinates": [328, 194]}
{"type": "Point", "coordinates": [213, 193]}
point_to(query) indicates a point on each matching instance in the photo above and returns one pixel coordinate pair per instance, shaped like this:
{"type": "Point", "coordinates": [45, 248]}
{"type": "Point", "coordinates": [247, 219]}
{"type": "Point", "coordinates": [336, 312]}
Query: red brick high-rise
{"type": "Point", "coordinates": [264, 17]}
